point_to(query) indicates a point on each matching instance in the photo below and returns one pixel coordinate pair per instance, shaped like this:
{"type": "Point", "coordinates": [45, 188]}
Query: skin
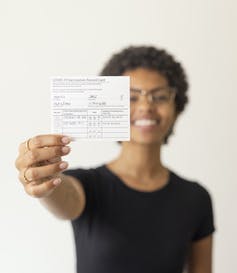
{"type": "Point", "coordinates": [65, 197]}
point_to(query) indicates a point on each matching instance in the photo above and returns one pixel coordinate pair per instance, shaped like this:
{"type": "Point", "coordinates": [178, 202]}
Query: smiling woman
{"type": "Point", "coordinates": [139, 215]}
{"type": "Point", "coordinates": [132, 214]}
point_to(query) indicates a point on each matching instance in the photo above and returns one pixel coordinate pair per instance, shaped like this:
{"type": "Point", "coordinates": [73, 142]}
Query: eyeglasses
{"type": "Point", "coordinates": [160, 96]}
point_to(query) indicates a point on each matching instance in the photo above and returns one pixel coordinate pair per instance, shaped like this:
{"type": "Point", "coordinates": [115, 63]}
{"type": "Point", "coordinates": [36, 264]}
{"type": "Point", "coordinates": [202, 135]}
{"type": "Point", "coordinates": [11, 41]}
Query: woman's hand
{"type": "Point", "coordinates": [39, 163]}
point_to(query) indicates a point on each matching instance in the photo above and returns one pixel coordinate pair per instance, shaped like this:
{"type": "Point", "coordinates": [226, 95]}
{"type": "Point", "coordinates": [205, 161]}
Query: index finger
{"type": "Point", "coordinates": [41, 141]}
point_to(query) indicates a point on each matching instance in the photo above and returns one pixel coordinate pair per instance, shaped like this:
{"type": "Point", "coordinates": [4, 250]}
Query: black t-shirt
{"type": "Point", "coordinates": [123, 230]}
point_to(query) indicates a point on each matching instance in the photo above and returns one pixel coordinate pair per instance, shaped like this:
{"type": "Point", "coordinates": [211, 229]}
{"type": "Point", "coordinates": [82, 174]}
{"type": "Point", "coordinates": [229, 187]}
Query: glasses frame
{"type": "Point", "coordinates": [149, 93]}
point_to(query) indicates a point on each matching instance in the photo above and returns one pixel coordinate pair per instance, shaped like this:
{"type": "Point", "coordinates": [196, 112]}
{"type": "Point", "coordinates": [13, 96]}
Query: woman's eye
{"type": "Point", "coordinates": [160, 98]}
{"type": "Point", "coordinates": [133, 98]}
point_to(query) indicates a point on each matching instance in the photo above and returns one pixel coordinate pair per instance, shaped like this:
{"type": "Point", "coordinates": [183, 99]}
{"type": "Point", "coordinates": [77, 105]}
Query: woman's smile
{"type": "Point", "coordinates": [145, 124]}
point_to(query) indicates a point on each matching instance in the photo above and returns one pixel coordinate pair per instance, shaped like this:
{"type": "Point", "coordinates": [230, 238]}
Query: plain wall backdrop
{"type": "Point", "coordinates": [40, 39]}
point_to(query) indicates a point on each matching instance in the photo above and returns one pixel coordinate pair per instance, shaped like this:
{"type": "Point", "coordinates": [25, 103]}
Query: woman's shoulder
{"type": "Point", "coordinates": [192, 186]}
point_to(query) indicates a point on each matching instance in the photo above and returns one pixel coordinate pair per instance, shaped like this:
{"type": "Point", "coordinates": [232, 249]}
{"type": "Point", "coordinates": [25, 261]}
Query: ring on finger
{"type": "Point", "coordinates": [28, 145]}
{"type": "Point", "coordinates": [25, 178]}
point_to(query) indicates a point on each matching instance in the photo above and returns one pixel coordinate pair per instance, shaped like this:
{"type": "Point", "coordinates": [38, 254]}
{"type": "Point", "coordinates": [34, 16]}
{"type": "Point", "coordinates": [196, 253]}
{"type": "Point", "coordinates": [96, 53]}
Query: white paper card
{"type": "Point", "coordinates": [91, 108]}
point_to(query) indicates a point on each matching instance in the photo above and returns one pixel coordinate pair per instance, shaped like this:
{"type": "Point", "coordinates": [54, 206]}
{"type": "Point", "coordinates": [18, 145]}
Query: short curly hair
{"type": "Point", "coordinates": [153, 58]}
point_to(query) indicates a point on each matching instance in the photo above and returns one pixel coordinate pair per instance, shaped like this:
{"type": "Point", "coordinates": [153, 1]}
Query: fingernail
{"type": "Point", "coordinates": [57, 181]}
{"type": "Point", "coordinates": [65, 140]}
{"type": "Point", "coordinates": [63, 165]}
{"type": "Point", "coordinates": [65, 149]}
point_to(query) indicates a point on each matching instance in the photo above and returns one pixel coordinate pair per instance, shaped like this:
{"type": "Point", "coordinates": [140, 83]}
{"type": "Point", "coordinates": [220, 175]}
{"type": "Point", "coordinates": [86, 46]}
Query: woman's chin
{"type": "Point", "coordinates": [147, 134]}
{"type": "Point", "coordinates": [148, 139]}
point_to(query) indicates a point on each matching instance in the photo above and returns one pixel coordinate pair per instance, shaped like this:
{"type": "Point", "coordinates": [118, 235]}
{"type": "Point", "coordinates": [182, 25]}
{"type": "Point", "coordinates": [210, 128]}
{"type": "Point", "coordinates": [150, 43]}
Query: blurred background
{"type": "Point", "coordinates": [40, 39]}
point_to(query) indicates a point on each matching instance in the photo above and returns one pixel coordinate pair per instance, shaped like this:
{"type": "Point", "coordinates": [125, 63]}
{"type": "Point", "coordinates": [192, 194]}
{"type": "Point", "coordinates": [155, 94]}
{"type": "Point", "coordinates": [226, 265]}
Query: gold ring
{"type": "Point", "coordinates": [25, 178]}
{"type": "Point", "coordinates": [27, 145]}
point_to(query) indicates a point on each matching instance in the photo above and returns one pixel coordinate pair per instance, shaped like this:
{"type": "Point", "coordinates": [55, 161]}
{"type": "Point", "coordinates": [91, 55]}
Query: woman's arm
{"type": "Point", "coordinates": [68, 200]}
{"type": "Point", "coordinates": [200, 256]}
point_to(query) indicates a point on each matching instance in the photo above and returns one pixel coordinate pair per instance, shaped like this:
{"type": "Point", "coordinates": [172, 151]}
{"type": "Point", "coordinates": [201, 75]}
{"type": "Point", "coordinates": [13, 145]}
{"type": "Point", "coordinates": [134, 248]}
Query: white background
{"type": "Point", "coordinates": [40, 39]}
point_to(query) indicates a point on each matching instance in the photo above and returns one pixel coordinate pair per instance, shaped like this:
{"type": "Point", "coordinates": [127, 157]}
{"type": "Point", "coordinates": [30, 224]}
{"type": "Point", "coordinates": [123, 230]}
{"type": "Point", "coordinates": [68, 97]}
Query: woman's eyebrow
{"type": "Point", "coordinates": [135, 89]}
{"type": "Point", "coordinates": [151, 90]}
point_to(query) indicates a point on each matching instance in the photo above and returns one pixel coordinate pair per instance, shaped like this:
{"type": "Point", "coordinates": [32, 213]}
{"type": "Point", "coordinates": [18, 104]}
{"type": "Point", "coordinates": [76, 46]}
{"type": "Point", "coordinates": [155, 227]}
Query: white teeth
{"type": "Point", "coordinates": [144, 122]}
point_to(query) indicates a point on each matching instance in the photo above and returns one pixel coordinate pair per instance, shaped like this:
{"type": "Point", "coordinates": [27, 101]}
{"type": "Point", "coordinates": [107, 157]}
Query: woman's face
{"type": "Point", "coordinates": [150, 121]}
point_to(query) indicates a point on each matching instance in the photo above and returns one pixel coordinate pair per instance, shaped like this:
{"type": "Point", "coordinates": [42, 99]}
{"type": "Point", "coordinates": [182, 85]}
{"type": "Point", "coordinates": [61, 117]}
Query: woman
{"type": "Point", "coordinates": [132, 214]}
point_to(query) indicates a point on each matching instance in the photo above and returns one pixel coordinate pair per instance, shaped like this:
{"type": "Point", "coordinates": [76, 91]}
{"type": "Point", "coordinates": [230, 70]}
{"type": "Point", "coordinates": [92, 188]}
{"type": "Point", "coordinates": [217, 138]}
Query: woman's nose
{"type": "Point", "coordinates": [145, 103]}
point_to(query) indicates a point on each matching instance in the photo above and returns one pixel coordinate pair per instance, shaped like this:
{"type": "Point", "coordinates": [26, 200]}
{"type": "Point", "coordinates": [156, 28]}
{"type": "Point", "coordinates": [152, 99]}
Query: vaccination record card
{"type": "Point", "coordinates": [91, 108]}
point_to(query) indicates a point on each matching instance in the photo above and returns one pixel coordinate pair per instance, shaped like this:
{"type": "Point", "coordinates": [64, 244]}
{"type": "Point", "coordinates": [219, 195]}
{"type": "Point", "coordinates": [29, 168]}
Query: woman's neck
{"type": "Point", "coordinates": [138, 160]}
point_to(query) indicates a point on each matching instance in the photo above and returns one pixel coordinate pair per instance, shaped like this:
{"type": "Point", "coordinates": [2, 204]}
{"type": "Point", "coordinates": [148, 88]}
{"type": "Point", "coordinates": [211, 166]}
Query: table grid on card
{"type": "Point", "coordinates": [74, 114]}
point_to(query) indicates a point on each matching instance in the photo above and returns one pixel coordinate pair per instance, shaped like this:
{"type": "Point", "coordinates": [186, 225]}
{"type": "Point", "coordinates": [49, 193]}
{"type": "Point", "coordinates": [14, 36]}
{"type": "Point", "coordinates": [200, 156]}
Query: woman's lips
{"type": "Point", "coordinates": [145, 125]}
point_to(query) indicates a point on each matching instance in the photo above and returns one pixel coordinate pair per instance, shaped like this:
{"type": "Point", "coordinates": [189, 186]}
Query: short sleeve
{"type": "Point", "coordinates": [205, 215]}
{"type": "Point", "coordinates": [87, 179]}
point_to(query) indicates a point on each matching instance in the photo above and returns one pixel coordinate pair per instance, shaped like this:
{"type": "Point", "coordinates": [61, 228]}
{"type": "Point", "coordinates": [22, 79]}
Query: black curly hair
{"type": "Point", "coordinates": [153, 58]}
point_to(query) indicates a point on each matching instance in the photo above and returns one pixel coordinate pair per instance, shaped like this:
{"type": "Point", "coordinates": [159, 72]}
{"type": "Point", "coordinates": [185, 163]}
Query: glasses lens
{"type": "Point", "coordinates": [161, 96]}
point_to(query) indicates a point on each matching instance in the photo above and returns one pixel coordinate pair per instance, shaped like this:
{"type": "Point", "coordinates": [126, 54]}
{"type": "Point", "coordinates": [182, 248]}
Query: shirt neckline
{"type": "Point", "coordinates": [124, 185]}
